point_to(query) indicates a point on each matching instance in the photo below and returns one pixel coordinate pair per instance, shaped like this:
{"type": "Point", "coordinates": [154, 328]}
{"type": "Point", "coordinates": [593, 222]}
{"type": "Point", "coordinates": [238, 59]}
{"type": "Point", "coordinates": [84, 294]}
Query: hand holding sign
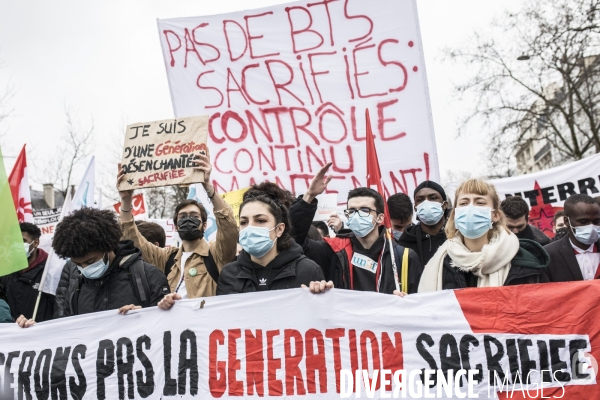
{"type": "Point", "coordinates": [335, 222]}
{"type": "Point", "coordinates": [126, 197]}
{"type": "Point", "coordinates": [202, 163]}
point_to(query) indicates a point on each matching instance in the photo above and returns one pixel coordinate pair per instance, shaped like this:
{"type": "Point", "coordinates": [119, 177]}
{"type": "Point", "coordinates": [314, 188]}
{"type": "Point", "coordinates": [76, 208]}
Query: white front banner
{"type": "Point", "coordinates": [294, 344]}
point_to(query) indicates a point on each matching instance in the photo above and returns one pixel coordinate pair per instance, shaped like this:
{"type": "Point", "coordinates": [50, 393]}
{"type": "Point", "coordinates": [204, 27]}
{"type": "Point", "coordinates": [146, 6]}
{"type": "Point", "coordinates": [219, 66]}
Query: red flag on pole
{"type": "Point", "coordinates": [19, 187]}
{"type": "Point", "coordinates": [373, 170]}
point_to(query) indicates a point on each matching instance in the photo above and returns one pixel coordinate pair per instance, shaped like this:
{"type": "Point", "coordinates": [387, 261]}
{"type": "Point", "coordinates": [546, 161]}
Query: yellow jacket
{"type": "Point", "coordinates": [223, 250]}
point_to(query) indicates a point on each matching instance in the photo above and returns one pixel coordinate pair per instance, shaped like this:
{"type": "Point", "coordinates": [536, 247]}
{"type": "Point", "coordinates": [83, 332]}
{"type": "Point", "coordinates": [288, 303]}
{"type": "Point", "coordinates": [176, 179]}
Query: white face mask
{"type": "Point", "coordinates": [28, 249]}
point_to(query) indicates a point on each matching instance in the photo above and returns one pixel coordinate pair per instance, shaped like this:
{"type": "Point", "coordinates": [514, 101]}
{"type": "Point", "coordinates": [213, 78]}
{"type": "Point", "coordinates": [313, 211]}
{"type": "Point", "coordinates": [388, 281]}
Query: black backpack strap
{"type": "Point", "coordinates": [170, 262]}
{"type": "Point", "coordinates": [211, 267]}
{"type": "Point", "coordinates": [74, 300]}
{"type": "Point", "coordinates": [139, 280]}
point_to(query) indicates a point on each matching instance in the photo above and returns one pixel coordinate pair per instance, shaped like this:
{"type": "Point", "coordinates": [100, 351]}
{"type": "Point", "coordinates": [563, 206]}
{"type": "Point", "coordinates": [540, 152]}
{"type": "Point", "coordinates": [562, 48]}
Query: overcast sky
{"type": "Point", "coordinates": [103, 59]}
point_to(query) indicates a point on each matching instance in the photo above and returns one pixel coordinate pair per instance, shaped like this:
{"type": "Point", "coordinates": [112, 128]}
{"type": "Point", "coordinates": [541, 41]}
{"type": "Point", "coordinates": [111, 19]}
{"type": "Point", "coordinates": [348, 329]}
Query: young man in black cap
{"type": "Point", "coordinates": [428, 235]}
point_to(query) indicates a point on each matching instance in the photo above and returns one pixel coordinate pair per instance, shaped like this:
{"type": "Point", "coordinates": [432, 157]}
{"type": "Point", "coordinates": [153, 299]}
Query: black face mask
{"type": "Point", "coordinates": [525, 233]}
{"type": "Point", "coordinates": [560, 233]}
{"type": "Point", "coordinates": [189, 228]}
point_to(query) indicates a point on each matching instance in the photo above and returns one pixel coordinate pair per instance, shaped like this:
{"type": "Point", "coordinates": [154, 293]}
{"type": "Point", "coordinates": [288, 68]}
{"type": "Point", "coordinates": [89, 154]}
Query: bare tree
{"type": "Point", "coordinates": [536, 77]}
{"type": "Point", "coordinates": [74, 148]}
{"type": "Point", "coordinates": [5, 108]}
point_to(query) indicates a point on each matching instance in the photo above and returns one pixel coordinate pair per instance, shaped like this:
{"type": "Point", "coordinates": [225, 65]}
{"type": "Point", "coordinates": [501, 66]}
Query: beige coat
{"type": "Point", "coordinates": [223, 250]}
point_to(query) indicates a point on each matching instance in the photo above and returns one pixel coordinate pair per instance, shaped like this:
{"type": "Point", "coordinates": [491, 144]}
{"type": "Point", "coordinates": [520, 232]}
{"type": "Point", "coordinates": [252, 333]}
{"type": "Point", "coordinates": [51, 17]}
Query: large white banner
{"type": "Point", "coordinates": [287, 88]}
{"type": "Point", "coordinates": [297, 345]}
{"type": "Point", "coordinates": [546, 191]}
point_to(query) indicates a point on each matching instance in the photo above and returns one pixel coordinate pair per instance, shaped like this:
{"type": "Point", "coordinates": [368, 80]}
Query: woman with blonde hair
{"type": "Point", "coordinates": [480, 250]}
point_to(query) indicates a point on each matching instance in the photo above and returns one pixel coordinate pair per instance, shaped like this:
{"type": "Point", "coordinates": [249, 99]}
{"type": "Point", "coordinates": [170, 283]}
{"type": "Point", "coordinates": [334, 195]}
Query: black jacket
{"type": "Point", "coordinates": [333, 255]}
{"type": "Point", "coordinates": [290, 269]}
{"type": "Point", "coordinates": [532, 233]}
{"type": "Point", "coordinates": [69, 274]}
{"type": "Point", "coordinates": [529, 265]}
{"type": "Point", "coordinates": [422, 243]}
{"type": "Point", "coordinates": [563, 263]}
{"type": "Point", "coordinates": [22, 292]}
{"type": "Point", "coordinates": [116, 288]}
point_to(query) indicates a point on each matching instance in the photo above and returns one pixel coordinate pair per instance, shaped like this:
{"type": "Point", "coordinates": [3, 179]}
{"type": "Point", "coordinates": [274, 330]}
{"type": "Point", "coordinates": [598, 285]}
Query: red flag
{"type": "Point", "coordinates": [19, 186]}
{"type": "Point", "coordinates": [373, 170]}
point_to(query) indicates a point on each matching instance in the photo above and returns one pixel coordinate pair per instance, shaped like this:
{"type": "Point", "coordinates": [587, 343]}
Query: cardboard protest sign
{"type": "Point", "coordinates": [546, 191]}
{"type": "Point", "coordinates": [287, 87]}
{"type": "Point", "coordinates": [46, 220]}
{"type": "Point", "coordinates": [161, 153]}
{"type": "Point", "coordinates": [264, 350]}
{"type": "Point", "coordinates": [235, 200]}
{"type": "Point", "coordinates": [327, 205]}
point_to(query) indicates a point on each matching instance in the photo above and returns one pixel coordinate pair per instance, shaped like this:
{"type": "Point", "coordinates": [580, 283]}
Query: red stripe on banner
{"type": "Point", "coordinates": [552, 308]}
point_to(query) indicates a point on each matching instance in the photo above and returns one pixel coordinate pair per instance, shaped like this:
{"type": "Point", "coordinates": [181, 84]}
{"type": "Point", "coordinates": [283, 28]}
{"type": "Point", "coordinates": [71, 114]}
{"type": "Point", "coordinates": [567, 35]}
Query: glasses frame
{"type": "Point", "coordinates": [349, 212]}
{"type": "Point", "coordinates": [186, 215]}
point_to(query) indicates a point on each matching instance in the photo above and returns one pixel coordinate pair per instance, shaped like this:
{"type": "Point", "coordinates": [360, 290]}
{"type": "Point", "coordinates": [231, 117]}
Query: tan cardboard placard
{"type": "Point", "coordinates": [161, 153]}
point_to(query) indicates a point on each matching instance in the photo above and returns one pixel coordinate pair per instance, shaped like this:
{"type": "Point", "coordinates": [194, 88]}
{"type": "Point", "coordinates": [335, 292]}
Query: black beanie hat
{"type": "Point", "coordinates": [431, 185]}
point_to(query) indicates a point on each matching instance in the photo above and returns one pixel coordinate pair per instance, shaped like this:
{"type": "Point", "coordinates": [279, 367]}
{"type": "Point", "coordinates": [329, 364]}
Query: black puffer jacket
{"type": "Point", "coordinates": [290, 269]}
{"type": "Point", "coordinates": [422, 243]}
{"type": "Point", "coordinates": [529, 265]}
{"type": "Point", "coordinates": [69, 274]}
{"type": "Point", "coordinates": [116, 288]}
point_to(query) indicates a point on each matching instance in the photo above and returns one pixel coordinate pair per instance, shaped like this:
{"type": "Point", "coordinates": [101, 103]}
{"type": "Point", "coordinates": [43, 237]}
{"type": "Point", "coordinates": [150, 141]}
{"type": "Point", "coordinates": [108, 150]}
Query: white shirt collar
{"type": "Point", "coordinates": [580, 250]}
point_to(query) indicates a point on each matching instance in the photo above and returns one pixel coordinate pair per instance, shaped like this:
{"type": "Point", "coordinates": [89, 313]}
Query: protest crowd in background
{"type": "Point", "coordinates": [321, 199]}
{"type": "Point", "coordinates": [405, 245]}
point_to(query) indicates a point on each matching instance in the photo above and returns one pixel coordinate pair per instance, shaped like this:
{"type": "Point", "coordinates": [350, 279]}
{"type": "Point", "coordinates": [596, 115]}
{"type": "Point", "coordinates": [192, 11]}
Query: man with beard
{"type": "Point", "coordinates": [196, 264]}
{"type": "Point", "coordinates": [517, 220]}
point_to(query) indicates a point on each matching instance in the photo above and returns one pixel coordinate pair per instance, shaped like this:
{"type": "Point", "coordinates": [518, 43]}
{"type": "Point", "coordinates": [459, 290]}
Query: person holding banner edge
{"type": "Point", "coordinates": [269, 259]}
{"type": "Point", "coordinates": [196, 264]}
{"type": "Point", "coordinates": [359, 258]}
{"type": "Point", "coordinates": [22, 287]}
{"type": "Point", "coordinates": [113, 274]}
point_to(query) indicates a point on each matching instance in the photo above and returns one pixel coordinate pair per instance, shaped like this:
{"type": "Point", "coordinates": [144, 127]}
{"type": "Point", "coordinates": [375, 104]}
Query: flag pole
{"type": "Point", "coordinates": [374, 179]}
{"type": "Point", "coordinates": [394, 266]}
{"type": "Point", "coordinates": [37, 303]}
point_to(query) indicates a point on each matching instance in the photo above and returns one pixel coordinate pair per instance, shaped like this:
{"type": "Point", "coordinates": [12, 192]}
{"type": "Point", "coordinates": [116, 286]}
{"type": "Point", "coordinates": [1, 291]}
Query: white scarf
{"type": "Point", "coordinates": [491, 264]}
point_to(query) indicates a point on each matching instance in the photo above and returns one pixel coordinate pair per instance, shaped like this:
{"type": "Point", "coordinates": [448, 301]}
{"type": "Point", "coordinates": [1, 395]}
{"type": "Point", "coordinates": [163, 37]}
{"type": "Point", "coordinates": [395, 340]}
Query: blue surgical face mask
{"type": "Point", "coordinates": [361, 226]}
{"type": "Point", "coordinates": [256, 241]}
{"type": "Point", "coordinates": [396, 234]}
{"type": "Point", "coordinates": [430, 212]}
{"type": "Point", "coordinates": [587, 234]}
{"type": "Point", "coordinates": [473, 221]}
{"type": "Point", "coordinates": [95, 270]}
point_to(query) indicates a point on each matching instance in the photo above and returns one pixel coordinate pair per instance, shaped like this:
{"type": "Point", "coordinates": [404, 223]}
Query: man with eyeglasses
{"type": "Point", "coordinates": [359, 258]}
{"type": "Point", "coordinates": [192, 269]}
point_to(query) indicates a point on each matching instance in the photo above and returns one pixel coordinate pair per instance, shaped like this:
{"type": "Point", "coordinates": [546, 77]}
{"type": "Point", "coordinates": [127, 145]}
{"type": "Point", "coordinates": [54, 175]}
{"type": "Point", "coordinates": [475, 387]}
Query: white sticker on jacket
{"type": "Point", "coordinates": [364, 262]}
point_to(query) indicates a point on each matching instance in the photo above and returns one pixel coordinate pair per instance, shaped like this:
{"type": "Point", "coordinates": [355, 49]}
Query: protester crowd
{"type": "Point", "coordinates": [473, 240]}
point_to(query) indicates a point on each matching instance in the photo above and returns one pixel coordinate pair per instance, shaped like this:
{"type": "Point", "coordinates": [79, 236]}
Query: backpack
{"type": "Point", "coordinates": [209, 262]}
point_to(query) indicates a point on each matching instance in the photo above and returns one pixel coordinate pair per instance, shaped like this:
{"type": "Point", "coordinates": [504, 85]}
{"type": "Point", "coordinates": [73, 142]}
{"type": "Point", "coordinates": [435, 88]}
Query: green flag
{"type": "Point", "coordinates": [12, 253]}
